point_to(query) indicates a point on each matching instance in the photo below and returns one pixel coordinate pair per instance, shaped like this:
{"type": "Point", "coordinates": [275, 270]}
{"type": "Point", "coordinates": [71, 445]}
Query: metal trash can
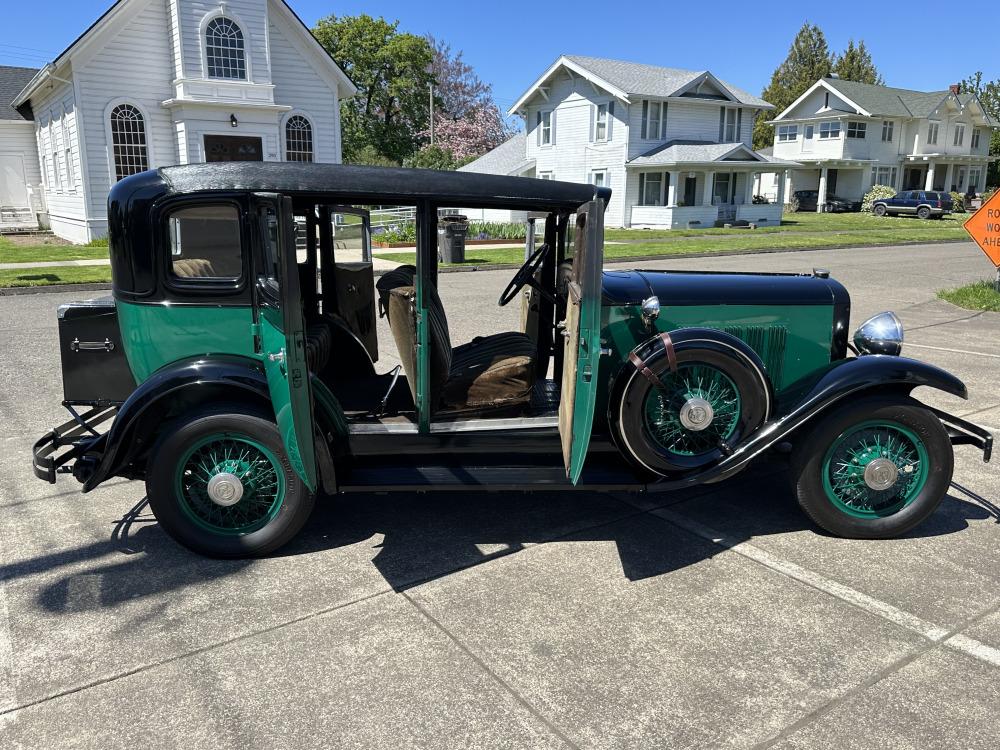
{"type": "Point", "coordinates": [452, 231]}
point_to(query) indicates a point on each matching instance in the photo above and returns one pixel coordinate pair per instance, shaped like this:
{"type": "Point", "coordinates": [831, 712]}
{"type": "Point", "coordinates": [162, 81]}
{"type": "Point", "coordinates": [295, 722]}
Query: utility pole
{"type": "Point", "coordinates": [430, 86]}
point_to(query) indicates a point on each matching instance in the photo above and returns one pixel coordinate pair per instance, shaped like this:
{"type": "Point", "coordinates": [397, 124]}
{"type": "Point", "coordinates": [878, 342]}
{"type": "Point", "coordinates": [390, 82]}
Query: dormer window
{"type": "Point", "coordinates": [225, 53]}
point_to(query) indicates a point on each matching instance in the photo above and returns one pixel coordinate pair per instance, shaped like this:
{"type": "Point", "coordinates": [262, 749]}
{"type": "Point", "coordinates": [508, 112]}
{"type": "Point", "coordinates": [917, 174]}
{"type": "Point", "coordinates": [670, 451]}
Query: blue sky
{"type": "Point", "coordinates": [508, 45]}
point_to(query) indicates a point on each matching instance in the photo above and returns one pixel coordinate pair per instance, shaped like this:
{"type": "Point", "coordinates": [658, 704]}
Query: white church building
{"type": "Point", "coordinates": [159, 82]}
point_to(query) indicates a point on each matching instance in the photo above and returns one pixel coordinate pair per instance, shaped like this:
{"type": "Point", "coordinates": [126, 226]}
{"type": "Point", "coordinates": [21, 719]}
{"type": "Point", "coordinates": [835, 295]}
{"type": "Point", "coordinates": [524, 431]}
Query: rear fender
{"type": "Point", "coordinates": [849, 378]}
{"type": "Point", "coordinates": [171, 391]}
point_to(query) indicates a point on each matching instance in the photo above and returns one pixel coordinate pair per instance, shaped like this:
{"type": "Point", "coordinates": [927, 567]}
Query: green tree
{"type": "Point", "coordinates": [856, 64]}
{"type": "Point", "coordinates": [988, 93]}
{"type": "Point", "coordinates": [432, 157]}
{"type": "Point", "coordinates": [392, 71]}
{"type": "Point", "coordinates": [808, 60]}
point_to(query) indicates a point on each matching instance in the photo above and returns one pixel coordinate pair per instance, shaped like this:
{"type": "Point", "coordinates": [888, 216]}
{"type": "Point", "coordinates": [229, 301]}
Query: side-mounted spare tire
{"type": "Point", "coordinates": [684, 400]}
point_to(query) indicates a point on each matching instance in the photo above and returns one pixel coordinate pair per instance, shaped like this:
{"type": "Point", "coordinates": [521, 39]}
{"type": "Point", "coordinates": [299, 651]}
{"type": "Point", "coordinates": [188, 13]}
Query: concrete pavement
{"type": "Point", "coordinates": [718, 617]}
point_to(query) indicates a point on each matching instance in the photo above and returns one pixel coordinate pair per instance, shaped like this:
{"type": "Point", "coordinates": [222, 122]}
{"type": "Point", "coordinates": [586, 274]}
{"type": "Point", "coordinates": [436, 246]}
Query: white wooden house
{"type": "Point", "coordinates": [674, 145]}
{"type": "Point", "coordinates": [849, 136]}
{"type": "Point", "coordinates": [21, 195]}
{"type": "Point", "coordinates": [159, 82]}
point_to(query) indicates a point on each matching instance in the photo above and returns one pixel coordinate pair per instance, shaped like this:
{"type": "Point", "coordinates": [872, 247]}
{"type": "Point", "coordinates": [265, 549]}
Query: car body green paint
{"type": "Point", "coordinates": [793, 341]}
{"type": "Point", "coordinates": [157, 335]}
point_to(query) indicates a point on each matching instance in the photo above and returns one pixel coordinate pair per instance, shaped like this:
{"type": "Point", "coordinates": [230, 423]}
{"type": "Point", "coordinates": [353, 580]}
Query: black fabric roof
{"type": "Point", "coordinates": [380, 184]}
{"type": "Point", "coordinates": [12, 82]}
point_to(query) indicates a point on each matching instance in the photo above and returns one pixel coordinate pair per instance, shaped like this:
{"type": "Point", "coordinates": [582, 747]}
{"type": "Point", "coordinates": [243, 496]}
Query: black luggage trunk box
{"type": "Point", "coordinates": [95, 370]}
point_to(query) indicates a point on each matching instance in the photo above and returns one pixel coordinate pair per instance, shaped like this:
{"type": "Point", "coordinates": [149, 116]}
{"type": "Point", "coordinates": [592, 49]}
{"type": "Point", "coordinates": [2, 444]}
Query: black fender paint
{"type": "Point", "coordinates": [850, 377]}
{"type": "Point", "coordinates": [240, 376]}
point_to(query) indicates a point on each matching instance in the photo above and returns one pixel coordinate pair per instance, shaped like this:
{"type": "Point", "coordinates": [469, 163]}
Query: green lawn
{"type": "Point", "coordinates": [46, 251]}
{"type": "Point", "coordinates": [58, 275]}
{"type": "Point", "coordinates": [981, 295]}
{"type": "Point", "coordinates": [745, 241]}
{"type": "Point", "coordinates": [802, 222]}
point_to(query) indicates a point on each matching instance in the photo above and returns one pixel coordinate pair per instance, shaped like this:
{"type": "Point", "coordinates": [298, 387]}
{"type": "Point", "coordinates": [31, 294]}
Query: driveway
{"type": "Point", "coordinates": [718, 617]}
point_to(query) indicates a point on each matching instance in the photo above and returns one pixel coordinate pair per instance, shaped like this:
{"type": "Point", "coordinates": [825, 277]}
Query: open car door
{"type": "Point", "coordinates": [282, 331]}
{"type": "Point", "coordinates": [582, 333]}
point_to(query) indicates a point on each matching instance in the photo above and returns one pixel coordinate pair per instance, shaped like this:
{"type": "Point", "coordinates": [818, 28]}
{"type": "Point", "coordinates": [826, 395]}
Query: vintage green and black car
{"type": "Point", "coordinates": [237, 361]}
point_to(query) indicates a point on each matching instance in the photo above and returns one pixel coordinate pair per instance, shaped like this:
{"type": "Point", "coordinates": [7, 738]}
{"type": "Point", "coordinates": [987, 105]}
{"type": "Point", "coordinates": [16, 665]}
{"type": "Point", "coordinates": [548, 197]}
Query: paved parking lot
{"type": "Point", "coordinates": [715, 618]}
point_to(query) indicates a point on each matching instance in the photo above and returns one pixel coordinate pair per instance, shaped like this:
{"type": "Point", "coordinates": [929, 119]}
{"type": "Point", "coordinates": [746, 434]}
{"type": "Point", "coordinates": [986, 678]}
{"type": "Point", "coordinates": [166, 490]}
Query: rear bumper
{"type": "Point", "coordinates": [962, 432]}
{"type": "Point", "coordinates": [54, 451]}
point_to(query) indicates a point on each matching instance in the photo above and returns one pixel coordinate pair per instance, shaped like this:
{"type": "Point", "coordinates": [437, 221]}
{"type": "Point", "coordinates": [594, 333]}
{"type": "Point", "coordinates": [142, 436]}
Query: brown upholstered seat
{"type": "Point", "coordinates": [194, 268]}
{"type": "Point", "coordinates": [490, 372]}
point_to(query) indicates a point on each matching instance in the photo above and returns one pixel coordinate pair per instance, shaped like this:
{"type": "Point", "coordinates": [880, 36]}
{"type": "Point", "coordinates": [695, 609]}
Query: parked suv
{"type": "Point", "coordinates": [925, 204]}
{"type": "Point", "coordinates": [807, 200]}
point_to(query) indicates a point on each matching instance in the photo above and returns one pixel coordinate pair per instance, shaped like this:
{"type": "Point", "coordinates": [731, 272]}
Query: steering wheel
{"type": "Point", "coordinates": [526, 276]}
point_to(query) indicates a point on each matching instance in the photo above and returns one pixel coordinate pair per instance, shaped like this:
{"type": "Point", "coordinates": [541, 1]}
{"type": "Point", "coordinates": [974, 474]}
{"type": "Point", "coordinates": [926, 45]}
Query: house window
{"type": "Point", "coordinates": [884, 176]}
{"type": "Point", "coordinates": [932, 134]}
{"type": "Point", "coordinates": [654, 120]}
{"type": "Point", "coordinates": [599, 177]}
{"type": "Point", "coordinates": [857, 130]}
{"type": "Point", "coordinates": [651, 189]}
{"type": "Point", "coordinates": [788, 132]}
{"type": "Point", "coordinates": [959, 179]}
{"type": "Point", "coordinates": [224, 50]}
{"type": "Point", "coordinates": [545, 176]}
{"type": "Point", "coordinates": [729, 131]}
{"type": "Point", "coordinates": [70, 171]}
{"type": "Point", "coordinates": [887, 126]}
{"type": "Point", "coordinates": [975, 138]}
{"type": "Point", "coordinates": [829, 130]}
{"type": "Point", "coordinates": [601, 122]}
{"type": "Point", "coordinates": [298, 139]}
{"type": "Point", "coordinates": [45, 171]}
{"type": "Point", "coordinates": [959, 138]}
{"type": "Point", "coordinates": [722, 189]}
{"type": "Point", "coordinates": [128, 141]}
{"type": "Point", "coordinates": [545, 128]}
{"type": "Point", "coordinates": [975, 175]}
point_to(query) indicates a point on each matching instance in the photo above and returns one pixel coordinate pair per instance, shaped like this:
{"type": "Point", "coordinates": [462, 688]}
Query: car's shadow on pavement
{"type": "Point", "coordinates": [422, 537]}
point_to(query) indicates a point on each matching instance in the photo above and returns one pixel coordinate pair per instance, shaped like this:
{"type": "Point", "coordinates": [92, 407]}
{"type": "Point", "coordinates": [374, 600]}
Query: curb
{"type": "Point", "coordinates": [58, 288]}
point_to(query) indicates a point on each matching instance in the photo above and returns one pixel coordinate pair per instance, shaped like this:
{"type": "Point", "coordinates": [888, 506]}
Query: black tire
{"type": "Point", "coordinates": [713, 349]}
{"type": "Point", "coordinates": [879, 209]}
{"type": "Point", "coordinates": [829, 208]}
{"type": "Point", "coordinates": [923, 212]}
{"type": "Point", "coordinates": [812, 448]}
{"type": "Point", "coordinates": [179, 516]}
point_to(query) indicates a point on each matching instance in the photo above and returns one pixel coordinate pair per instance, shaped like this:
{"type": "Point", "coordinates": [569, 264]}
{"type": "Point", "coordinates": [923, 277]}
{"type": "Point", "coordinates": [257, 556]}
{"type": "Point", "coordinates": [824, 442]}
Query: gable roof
{"type": "Point", "coordinates": [507, 158]}
{"type": "Point", "coordinates": [12, 80]}
{"type": "Point", "coordinates": [874, 100]}
{"type": "Point", "coordinates": [623, 79]}
{"type": "Point", "coordinates": [30, 87]}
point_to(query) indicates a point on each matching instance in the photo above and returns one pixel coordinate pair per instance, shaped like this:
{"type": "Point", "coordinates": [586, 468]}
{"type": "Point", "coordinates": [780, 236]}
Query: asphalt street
{"type": "Point", "coordinates": [715, 618]}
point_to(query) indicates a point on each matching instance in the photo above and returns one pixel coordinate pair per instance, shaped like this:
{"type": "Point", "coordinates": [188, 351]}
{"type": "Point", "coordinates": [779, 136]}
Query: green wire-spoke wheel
{"type": "Point", "coordinates": [875, 469]}
{"type": "Point", "coordinates": [230, 484]}
{"type": "Point", "coordinates": [697, 408]}
{"type": "Point", "coordinates": [220, 482]}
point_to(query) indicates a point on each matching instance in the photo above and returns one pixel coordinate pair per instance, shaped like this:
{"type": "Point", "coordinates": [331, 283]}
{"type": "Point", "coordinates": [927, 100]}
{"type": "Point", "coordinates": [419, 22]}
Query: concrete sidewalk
{"type": "Point", "coordinates": [712, 618]}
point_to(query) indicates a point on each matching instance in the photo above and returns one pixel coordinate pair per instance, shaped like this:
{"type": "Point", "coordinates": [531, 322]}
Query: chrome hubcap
{"type": "Point", "coordinates": [881, 474]}
{"type": "Point", "coordinates": [225, 489]}
{"type": "Point", "coordinates": [696, 414]}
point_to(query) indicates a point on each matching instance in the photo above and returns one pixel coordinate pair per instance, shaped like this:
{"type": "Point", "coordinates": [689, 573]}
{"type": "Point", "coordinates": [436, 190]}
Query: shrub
{"type": "Point", "coordinates": [98, 242]}
{"type": "Point", "coordinates": [792, 206]}
{"type": "Point", "coordinates": [877, 192]}
{"type": "Point", "coordinates": [987, 194]}
{"type": "Point", "coordinates": [958, 200]}
{"type": "Point", "coordinates": [496, 230]}
{"type": "Point", "coordinates": [760, 200]}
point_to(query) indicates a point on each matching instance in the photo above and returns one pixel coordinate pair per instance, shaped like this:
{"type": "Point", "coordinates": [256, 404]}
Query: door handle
{"type": "Point", "coordinates": [92, 346]}
{"type": "Point", "coordinates": [278, 357]}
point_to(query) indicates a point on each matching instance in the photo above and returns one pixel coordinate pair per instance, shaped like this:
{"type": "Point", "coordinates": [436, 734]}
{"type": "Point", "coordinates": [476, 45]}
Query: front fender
{"type": "Point", "coordinates": [845, 378]}
{"type": "Point", "coordinates": [193, 380]}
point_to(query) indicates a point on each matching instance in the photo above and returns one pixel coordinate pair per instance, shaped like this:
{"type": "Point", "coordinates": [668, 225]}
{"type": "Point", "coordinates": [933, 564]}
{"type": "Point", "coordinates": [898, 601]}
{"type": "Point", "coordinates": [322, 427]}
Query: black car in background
{"type": "Point", "coordinates": [834, 204]}
{"type": "Point", "coordinates": [924, 204]}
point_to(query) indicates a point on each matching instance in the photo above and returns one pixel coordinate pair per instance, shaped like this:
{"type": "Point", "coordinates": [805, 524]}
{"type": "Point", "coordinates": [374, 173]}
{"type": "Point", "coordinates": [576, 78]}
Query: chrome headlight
{"type": "Point", "coordinates": [882, 334]}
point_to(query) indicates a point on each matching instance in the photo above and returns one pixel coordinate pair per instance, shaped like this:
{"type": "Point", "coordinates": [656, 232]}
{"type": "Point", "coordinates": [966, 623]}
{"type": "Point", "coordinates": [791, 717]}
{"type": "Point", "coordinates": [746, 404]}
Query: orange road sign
{"type": "Point", "coordinates": [984, 227]}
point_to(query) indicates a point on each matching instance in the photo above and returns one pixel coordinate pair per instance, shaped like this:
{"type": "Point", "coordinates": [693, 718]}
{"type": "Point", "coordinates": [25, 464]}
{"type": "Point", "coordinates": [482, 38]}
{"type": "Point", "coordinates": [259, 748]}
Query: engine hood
{"type": "Point", "coordinates": [676, 288]}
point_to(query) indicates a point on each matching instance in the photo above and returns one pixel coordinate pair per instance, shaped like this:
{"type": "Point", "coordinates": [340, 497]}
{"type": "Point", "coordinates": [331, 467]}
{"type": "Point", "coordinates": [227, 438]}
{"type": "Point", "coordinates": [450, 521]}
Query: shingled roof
{"type": "Point", "coordinates": [507, 158]}
{"type": "Point", "coordinates": [12, 82]}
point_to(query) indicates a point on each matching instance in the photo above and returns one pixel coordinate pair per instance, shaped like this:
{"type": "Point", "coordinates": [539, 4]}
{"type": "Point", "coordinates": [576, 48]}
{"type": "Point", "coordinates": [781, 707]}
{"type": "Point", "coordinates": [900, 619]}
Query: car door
{"type": "Point", "coordinates": [282, 344]}
{"type": "Point", "coordinates": [581, 330]}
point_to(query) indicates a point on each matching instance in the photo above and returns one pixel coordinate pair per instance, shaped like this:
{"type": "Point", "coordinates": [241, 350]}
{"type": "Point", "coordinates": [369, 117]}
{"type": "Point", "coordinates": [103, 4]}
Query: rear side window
{"type": "Point", "coordinates": [205, 243]}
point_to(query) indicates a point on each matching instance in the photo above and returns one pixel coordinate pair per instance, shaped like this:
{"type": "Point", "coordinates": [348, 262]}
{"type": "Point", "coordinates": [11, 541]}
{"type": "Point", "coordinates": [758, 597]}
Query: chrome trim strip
{"type": "Point", "coordinates": [463, 425]}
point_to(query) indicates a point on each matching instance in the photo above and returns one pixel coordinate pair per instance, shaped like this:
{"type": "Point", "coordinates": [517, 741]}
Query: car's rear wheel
{"type": "Point", "coordinates": [222, 485]}
{"type": "Point", "coordinates": [923, 212]}
{"type": "Point", "coordinates": [830, 208]}
{"type": "Point", "coordinates": [879, 210]}
{"type": "Point", "coordinates": [873, 469]}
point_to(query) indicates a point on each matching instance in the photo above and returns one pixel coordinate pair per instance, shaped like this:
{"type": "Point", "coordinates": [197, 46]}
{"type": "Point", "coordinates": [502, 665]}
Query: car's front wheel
{"type": "Point", "coordinates": [221, 484]}
{"type": "Point", "coordinates": [879, 210]}
{"type": "Point", "coordinates": [873, 469]}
